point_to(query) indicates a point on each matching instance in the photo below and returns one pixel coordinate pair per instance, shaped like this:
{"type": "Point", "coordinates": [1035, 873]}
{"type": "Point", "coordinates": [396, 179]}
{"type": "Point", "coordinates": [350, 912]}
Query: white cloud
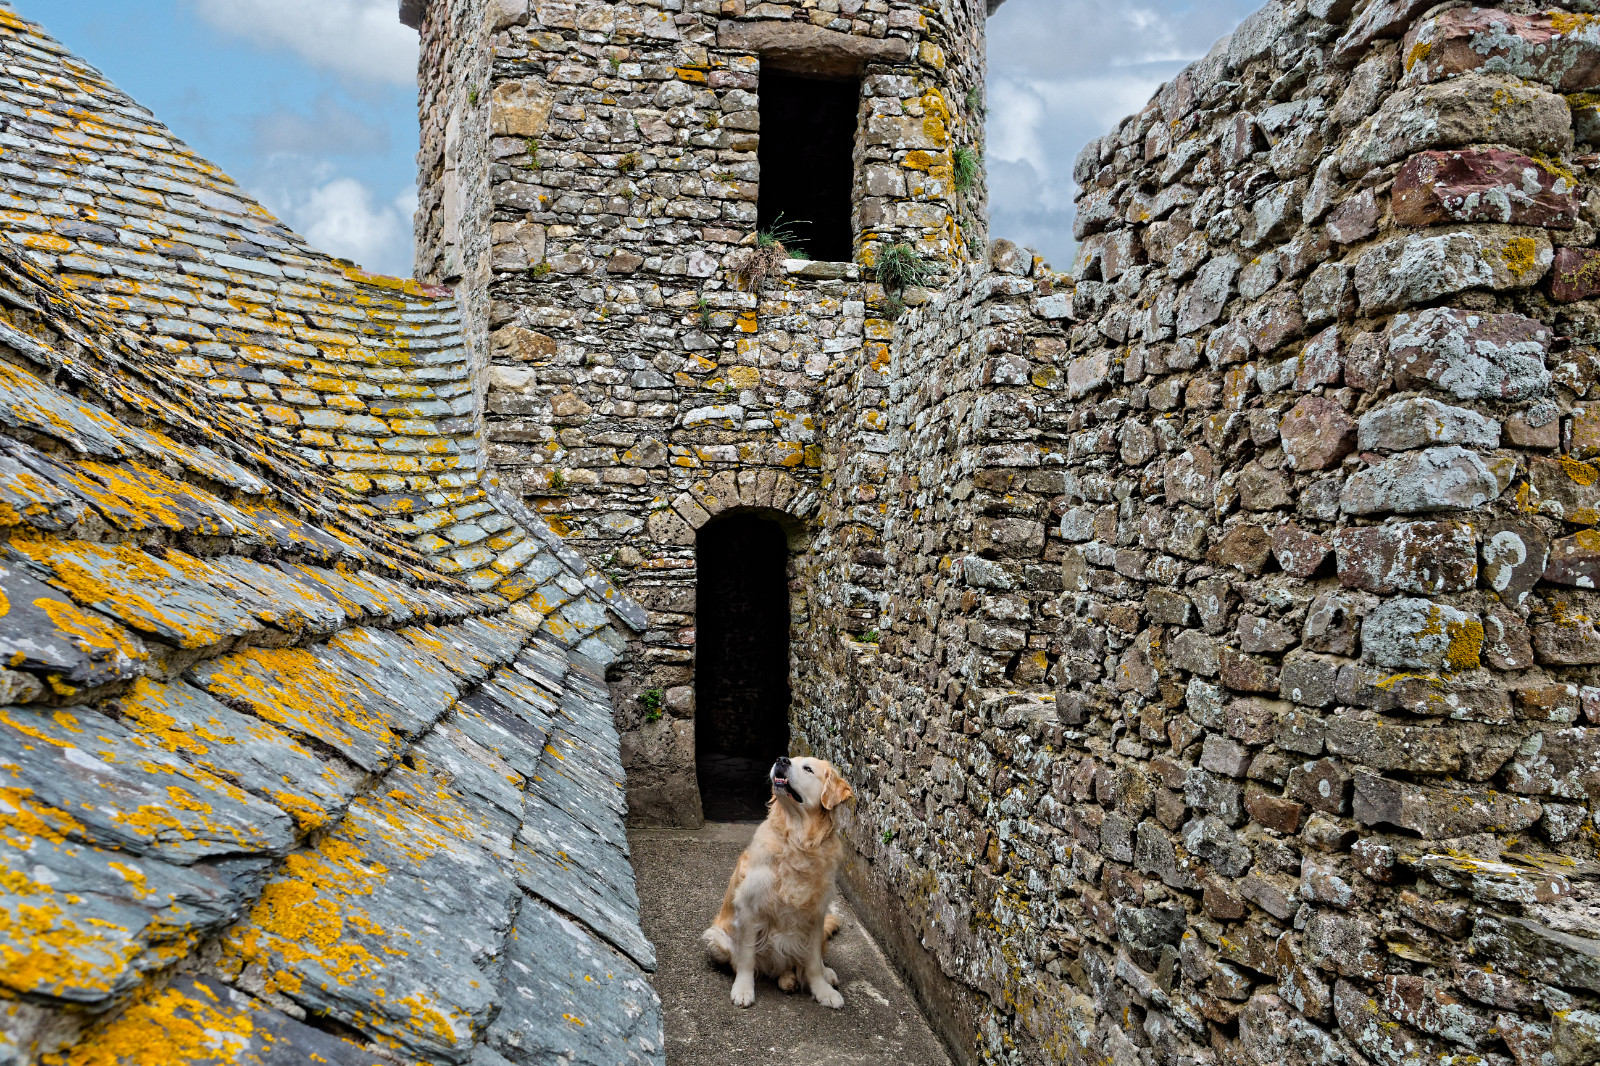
{"type": "Point", "coordinates": [330, 128]}
{"type": "Point", "coordinates": [345, 218]}
{"type": "Point", "coordinates": [358, 39]}
{"type": "Point", "coordinates": [1062, 72]}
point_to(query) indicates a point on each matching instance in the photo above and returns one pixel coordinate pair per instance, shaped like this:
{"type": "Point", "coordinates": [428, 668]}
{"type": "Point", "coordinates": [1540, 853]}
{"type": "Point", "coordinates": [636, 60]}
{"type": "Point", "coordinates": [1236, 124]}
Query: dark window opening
{"type": "Point", "coordinates": [741, 663]}
{"type": "Point", "coordinates": [807, 157]}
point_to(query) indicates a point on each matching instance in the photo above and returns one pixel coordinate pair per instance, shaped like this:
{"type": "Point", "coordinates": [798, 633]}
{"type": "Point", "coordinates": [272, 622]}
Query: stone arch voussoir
{"type": "Point", "coordinates": [748, 490]}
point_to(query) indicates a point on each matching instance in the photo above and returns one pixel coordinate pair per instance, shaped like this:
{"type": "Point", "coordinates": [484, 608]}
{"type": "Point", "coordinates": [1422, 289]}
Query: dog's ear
{"type": "Point", "coordinates": [837, 791]}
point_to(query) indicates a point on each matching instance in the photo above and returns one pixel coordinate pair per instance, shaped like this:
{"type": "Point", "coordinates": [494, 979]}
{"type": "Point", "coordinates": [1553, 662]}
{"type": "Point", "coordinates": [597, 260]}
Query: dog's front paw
{"type": "Point", "coordinates": [828, 997]}
{"type": "Point", "coordinates": [744, 991]}
{"type": "Point", "coordinates": [829, 976]}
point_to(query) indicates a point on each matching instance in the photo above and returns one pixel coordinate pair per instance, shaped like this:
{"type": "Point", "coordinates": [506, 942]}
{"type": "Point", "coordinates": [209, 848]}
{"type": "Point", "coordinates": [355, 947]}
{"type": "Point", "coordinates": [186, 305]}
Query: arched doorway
{"type": "Point", "coordinates": [741, 662]}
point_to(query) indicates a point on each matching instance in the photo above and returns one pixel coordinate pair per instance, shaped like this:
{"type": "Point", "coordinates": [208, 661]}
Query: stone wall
{"type": "Point", "coordinates": [1209, 634]}
{"type": "Point", "coordinates": [637, 385]}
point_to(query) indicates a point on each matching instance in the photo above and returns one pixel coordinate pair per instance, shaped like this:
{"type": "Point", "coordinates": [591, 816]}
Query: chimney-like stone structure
{"type": "Point", "coordinates": [592, 184]}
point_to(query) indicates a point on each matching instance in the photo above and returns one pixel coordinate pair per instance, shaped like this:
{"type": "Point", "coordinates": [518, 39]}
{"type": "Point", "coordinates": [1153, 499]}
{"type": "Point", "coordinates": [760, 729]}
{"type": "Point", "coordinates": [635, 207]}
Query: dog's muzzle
{"type": "Point", "coordinates": [779, 776]}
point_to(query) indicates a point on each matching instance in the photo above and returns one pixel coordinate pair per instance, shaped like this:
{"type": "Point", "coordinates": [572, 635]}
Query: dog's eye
{"type": "Point", "coordinates": [808, 769]}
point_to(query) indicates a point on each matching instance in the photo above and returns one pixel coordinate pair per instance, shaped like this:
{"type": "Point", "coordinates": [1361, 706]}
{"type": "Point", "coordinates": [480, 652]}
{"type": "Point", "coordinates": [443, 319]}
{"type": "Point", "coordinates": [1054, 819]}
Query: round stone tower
{"type": "Point", "coordinates": [664, 220]}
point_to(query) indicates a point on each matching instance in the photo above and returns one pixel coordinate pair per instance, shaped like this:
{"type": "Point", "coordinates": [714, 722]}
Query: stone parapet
{"type": "Point", "coordinates": [1208, 631]}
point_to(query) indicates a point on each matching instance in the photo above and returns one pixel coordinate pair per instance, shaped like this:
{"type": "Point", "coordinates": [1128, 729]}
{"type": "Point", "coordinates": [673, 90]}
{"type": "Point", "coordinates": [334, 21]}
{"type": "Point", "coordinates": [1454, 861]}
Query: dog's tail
{"type": "Point", "coordinates": [830, 925]}
{"type": "Point", "coordinates": [719, 945]}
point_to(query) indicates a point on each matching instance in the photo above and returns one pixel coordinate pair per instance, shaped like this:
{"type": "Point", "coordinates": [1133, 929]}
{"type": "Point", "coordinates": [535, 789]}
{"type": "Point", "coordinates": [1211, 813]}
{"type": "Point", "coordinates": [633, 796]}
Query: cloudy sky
{"type": "Point", "coordinates": [311, 104]}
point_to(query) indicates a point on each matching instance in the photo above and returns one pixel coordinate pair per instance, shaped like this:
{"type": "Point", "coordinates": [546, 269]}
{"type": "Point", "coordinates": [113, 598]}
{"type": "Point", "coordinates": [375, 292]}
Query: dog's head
{"type": "Point", "coordinates": [810, 784]}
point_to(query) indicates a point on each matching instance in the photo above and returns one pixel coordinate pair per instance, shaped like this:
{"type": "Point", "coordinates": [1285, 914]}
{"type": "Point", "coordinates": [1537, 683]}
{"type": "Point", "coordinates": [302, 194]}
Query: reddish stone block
{"type": "Point", "coordinates": [1354, 220]}
{"type": "Point", "coordinates": [1299, 552]}
{"type": "Point", "coordinates": [1483, 185]}
{"type": "Point", "coordinates": [1274, 812]}
{"type": "Point", "coordinates": [1425, 557]}
{"type": "Point", "coordinates": [1317, 434]}
{"type": "Point", "coordinates": [1576, 274]}
{"type": "Point", "coordinates": [1554, 47]}
{"type": "Point", "coordinates": [1575, 560]}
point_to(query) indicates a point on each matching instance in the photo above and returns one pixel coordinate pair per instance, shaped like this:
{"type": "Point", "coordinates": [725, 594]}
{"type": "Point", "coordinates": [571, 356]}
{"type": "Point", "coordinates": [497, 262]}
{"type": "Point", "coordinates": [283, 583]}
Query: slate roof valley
{"type": "Point", "coordinates": [306, 753]}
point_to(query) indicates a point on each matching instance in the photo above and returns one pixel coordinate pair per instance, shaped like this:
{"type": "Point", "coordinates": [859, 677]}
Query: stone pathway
{"type": "Point", "coordinates": [682, 875]}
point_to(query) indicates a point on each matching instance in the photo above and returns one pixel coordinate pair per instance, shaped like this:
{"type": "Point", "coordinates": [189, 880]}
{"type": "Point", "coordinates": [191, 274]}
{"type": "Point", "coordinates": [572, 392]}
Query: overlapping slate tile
{"type": "Point", "coordinates": [260, 758]}
{"type": "Point", "coordinates": [144, 592]}
{"type": "Point", "coordinates": [82, 923]}
{"type": "Point", "coordinates": [120, 793]}
{"type": "Point", "coordinates": [309, 693]}
{"type": "Point", "coordinates": [41, 629]}
{"type": "Point", "coordinates": [567, 999]}
{"type": "Point", "coordinates": [202, 1022]}
{"type": "Point", "coordinates": [28, 499]}
{"type": "Point", "coordinates": [386, 923]}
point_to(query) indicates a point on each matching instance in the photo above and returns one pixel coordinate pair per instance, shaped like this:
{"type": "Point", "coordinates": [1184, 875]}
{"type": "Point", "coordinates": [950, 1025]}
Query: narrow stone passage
{"type": "Point", "coordinates": [681, 875]}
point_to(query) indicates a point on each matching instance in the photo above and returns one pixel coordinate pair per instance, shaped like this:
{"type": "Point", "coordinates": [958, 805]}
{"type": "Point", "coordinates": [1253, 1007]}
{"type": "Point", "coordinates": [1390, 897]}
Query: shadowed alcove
{"type": "Point", "coordinates": [806, 152]}
{"type": "Point", "coordinates": [741, 662]}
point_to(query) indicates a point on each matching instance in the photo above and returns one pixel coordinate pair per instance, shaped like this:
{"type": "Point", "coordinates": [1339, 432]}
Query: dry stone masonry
{"type": "Point", "coordinates": [1210, 630]}
{"type": "Point", "coordinates": [638, 380]}
{"type": "Point", "coordinates": [1235, 699]}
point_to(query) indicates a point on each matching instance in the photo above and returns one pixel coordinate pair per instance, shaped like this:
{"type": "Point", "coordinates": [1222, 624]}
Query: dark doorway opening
{"type": "Point", "coordinates": [741, 663]}
{"type": "Point", "coordinates": [807, 152]}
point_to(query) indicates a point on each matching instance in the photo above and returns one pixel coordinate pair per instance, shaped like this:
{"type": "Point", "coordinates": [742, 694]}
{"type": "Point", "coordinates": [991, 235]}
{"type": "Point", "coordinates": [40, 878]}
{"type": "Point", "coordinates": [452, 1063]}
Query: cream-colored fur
{"type": "Point", "coordinates": [775, 917]}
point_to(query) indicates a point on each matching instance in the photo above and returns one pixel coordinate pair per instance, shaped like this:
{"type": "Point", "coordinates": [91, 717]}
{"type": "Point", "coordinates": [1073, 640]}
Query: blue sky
{"type": "Point", "coordinates": [311, 104]}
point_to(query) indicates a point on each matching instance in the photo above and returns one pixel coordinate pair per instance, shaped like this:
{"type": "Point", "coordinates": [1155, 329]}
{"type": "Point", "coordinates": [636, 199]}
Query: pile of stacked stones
{"type": "Point", "coordinates": [1235, 696]}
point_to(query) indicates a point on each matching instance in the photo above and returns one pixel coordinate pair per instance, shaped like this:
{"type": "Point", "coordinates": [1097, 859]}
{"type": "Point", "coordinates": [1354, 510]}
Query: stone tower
{"type": "Point", "coordinates": [593, 177]}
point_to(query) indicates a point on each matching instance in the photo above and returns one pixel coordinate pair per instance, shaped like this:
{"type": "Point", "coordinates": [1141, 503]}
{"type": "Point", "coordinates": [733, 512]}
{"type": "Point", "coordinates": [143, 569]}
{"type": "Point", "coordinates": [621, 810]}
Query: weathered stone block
{"type": "Point", "coordinates": [1438, 813]}
{"type": "Point", "coordinates": [1309, 680]}
{"type": "Point", "coordinates": [1202, 302]}
{"type": "Point", "coordinates": [1418, 268]}
{"type": "Point", "coordinates": [1343, 944]}
{"type": "Point", "coordinates": [1419, 635]}
{"type": "Point", "coordinates": [1438, 479]}
{"type": "Point", "coordinates": [1473, 109]}
{"type": "Point", "coordinates": [1321, 783]}
{"type": "Point", "coordinates": [1575, 560]}
{"type": "Point", "coordinates": [520, 108]}
{"type": "Point", "coordinates": [1316, 434]}
{"type": "Point", "coordinates": [1558, 762]}
{"type": "Point", "coordinates": [1483, 185]}
{"type": "Point", "coordinates": [1576, 275]}
{"type": "Point", "coordinates": [1418, 422]}
{"type": "Point", "coordinates": [1548, 47]}
{"type": "Point", "coordinates": [1529, 947]}
{"type": "Point", "coordinates": [1425, 557]}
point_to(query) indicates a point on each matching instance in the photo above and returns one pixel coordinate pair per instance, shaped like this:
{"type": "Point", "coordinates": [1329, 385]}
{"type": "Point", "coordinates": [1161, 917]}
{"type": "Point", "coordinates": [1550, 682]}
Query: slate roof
{"type": "Point", "coordinates": [306, 753]}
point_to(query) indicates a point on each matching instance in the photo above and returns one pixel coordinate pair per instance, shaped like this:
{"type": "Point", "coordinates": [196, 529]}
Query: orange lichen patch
{"type": "Point", "coordinates": [128, 583]}
{"type": "Point", "coordinates": [134, 496]}
{"type": "Point", "coordinates": [90, 633]}
{"type": "Point", "coordinates": [299, 920]}
{"type": "Point", "coordinates": [291, 687]}
{"type": "Point", "coordinates": [135, 877]}
{"type": "Point", "coordinates": [24, 820]}
{"type": "Point", "coordinates": [307, 815]}
{"type": "Point", "coordinates": [168, 1027]}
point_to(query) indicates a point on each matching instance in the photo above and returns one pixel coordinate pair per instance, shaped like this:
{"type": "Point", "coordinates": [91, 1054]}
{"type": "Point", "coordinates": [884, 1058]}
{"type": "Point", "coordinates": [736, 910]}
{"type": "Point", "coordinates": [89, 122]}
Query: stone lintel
{"type": "Point", "coordinates": [801, 48]}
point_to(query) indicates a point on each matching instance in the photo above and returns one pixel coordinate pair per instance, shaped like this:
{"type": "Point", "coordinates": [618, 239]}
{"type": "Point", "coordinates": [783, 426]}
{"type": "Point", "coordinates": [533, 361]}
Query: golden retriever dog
{"type": "Point", "coordinates": [775, 917]}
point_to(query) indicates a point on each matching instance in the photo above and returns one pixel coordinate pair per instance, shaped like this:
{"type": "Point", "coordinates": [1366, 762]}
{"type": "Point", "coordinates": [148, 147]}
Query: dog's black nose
{"type": "Point", "coordinates": [782, 764]}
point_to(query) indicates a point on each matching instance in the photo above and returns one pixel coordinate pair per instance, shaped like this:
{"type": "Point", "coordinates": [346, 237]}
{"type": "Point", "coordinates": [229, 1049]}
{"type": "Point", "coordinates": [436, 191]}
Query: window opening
{"type": "Point", "coordinates": [807, 157]}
